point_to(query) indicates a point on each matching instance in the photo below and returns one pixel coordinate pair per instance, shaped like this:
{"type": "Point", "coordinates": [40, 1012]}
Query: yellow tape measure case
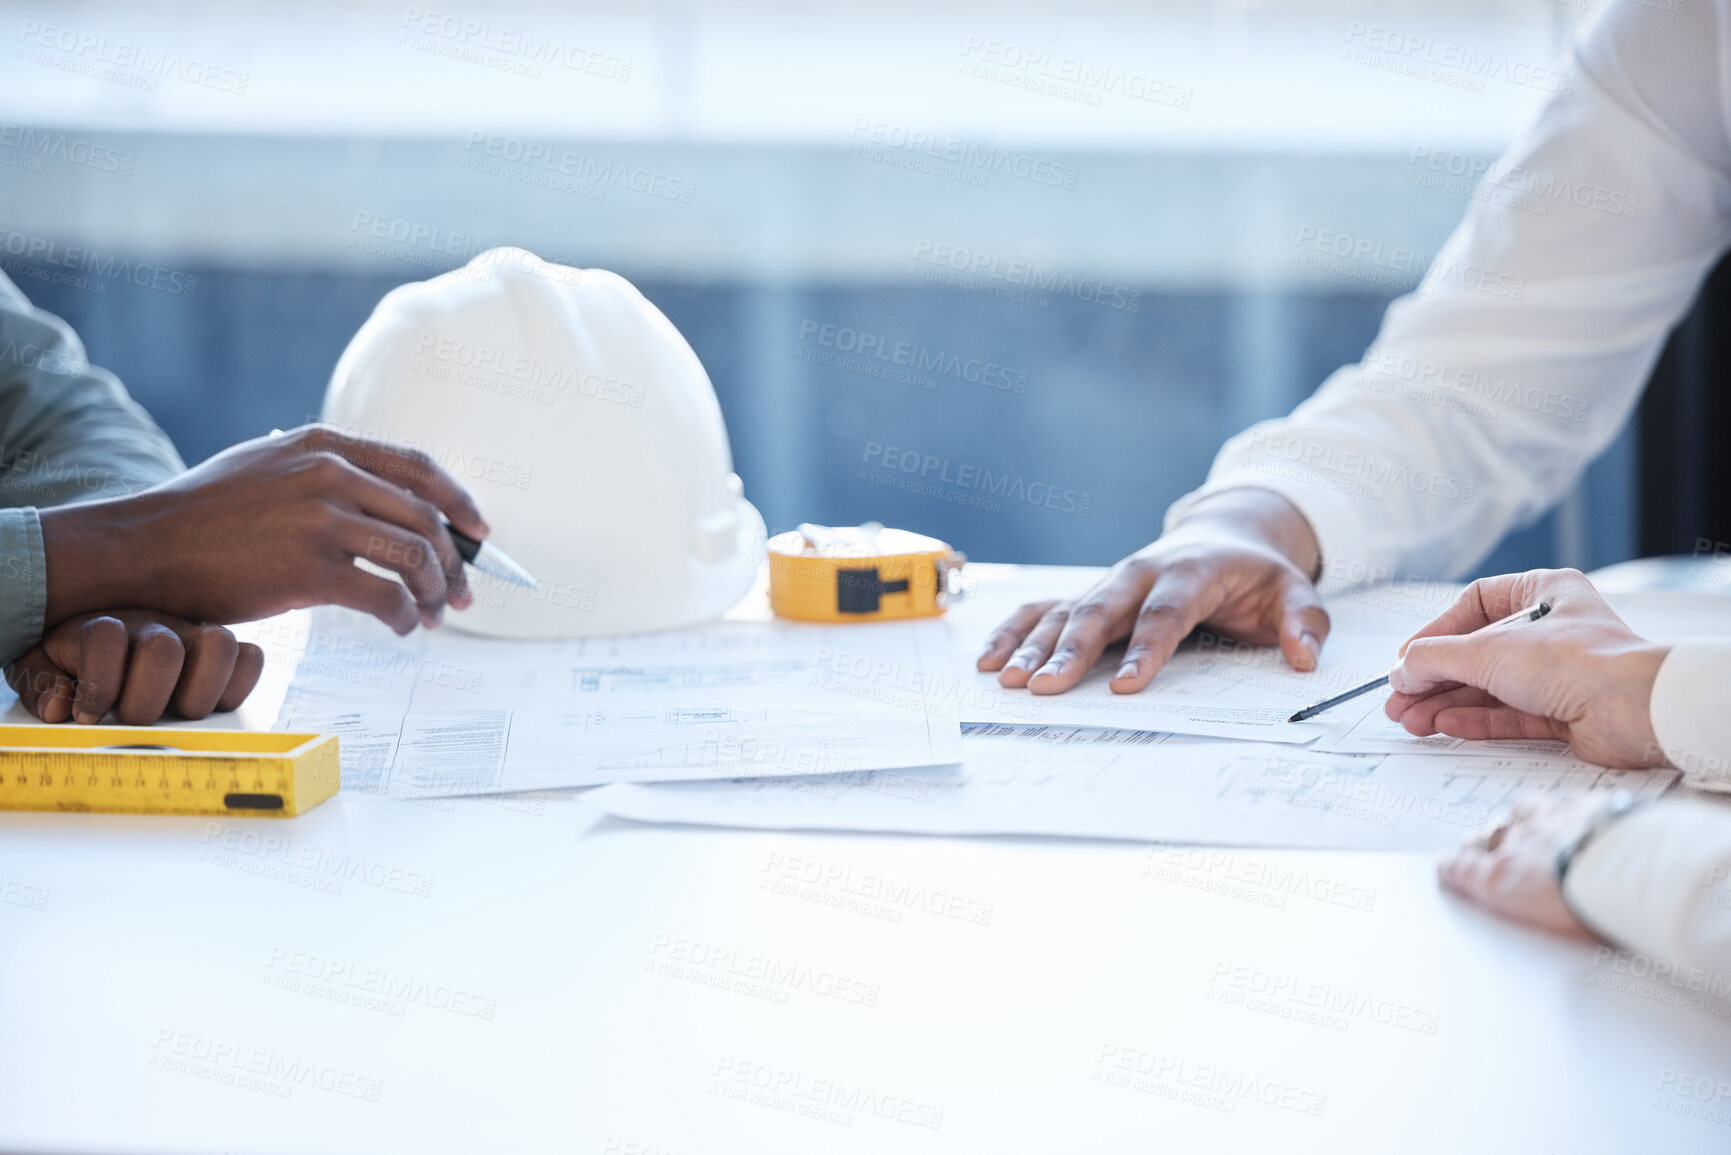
{"type": "Point", "coordinates": [820, 573]}
{"type": "Point", "coordinates": [147, 770]}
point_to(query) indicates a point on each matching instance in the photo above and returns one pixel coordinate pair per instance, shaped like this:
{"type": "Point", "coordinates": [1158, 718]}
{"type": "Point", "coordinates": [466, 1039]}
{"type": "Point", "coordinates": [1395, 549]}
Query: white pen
{"type": "Point", "coordinates": [1530, 614]}
{"type": "Point", "coordinates": [490, 559]}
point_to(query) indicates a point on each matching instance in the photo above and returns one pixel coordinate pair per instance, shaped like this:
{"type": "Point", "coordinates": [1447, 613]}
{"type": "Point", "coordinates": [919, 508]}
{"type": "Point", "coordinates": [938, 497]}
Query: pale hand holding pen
{"type": "Point", "coordinates": [1530, 613]}
{"type": "Point", "coordinates": [1582, 676]}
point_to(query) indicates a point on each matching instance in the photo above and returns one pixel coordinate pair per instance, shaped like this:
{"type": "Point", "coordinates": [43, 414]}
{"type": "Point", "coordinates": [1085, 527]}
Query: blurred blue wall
{"type": "Point", "coordinates": [1117, 412]}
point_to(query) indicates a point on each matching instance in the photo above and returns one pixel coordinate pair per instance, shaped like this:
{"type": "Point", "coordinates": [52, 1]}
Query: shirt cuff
{"type": "Point", "coordinates": [1691, 711]}
{"type": "Point", "coordinates": [24, 584]}
{"type": "Point", "coordinates": [1336, 522]}
{"type": "Point", "coordinates": [1649, 881]}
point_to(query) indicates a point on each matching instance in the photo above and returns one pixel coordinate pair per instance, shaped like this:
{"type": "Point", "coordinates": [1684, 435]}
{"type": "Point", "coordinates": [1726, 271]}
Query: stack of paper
{"type": "Point", "coordinates": [441, 712]}
{"type": "Point", "coordinates": [888, 727]}
{"type": "Point", "coordinates": [1151, 787]}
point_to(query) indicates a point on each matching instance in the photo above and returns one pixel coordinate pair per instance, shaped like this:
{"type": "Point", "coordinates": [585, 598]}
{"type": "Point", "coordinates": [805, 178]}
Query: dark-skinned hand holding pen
{"type": "Point", "coordinates": [140, 586]}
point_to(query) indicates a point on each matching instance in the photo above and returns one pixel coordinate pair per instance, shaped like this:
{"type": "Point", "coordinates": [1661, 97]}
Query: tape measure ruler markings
{"type": "Point", "coordinates": [140, 770]}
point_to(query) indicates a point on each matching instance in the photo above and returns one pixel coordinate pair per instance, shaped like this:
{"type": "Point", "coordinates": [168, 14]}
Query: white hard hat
{"type": "Point", "coordinates": [585, 427]}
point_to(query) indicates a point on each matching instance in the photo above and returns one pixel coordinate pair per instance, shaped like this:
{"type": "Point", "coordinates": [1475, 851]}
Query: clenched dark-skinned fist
{"type": "Point", "coordinates": [139, 663]}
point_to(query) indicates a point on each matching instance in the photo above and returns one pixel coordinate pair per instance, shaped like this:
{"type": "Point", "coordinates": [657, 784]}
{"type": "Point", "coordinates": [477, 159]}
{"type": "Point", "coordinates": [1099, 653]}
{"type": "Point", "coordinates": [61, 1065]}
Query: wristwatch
{"type": "Point", "coordinates": [1620, 804]}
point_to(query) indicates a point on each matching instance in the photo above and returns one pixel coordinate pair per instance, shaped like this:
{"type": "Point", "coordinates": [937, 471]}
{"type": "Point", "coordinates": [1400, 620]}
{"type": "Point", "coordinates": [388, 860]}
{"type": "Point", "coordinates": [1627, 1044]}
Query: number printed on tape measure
{"type": "Point", "coordinates": [185, 785]}
{"type": "Point", "coordinates": [122, 769]}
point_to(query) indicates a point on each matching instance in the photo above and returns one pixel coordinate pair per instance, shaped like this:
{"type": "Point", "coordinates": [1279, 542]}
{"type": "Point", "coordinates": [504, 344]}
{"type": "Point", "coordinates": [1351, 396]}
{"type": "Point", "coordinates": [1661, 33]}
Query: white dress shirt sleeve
{"type": "Point", "coordinates": [1691, 711]}
{"type": "Point", "coordinates": [1524, 349]}
{"type": "Point", "coordinates": [1658, 882]}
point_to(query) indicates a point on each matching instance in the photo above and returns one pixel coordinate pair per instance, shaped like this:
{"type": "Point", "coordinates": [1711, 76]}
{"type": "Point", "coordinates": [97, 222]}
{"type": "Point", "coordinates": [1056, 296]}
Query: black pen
{"type": "Point", "coordinates": [1530, 614]}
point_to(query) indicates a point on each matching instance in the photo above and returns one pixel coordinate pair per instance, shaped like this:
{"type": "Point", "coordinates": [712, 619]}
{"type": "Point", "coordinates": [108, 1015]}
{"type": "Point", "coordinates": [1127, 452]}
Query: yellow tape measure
{"type": "Point", "coordinates": [145, 770]}
{"type": "Point", "coordinates": [821, 573]}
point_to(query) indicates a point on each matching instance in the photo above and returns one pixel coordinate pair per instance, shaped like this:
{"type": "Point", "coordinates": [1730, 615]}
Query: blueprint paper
{"type": "Point", "coordinates": [1216, 687]}
{"type": "Point", "coordinates": [1071, 781]}
{"type": "Point", "coordinates": [1213, 686]}
{"type": "Point", "coordinates": [442, 713]}
{"type": "Point", "coordinates": [1374, 733]}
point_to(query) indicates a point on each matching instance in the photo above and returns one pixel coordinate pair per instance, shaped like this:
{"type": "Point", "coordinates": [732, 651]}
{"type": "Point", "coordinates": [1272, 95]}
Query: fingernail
{"type": "Point", "coordinates": [987, 652]}
{"type": "Point", "coordinates": [1051, 668]}
{"type": "Point", "coordinates": [1021, 662]}
{"type": "Point", "coordinates": [1128, 670]}
{"type": "Point", "coordinates": [85, 718]}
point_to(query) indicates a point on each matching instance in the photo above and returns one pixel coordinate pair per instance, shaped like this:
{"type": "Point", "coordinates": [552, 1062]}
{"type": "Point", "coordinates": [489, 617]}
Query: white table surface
{"type": "Point", "coordinates": [523, 975]}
